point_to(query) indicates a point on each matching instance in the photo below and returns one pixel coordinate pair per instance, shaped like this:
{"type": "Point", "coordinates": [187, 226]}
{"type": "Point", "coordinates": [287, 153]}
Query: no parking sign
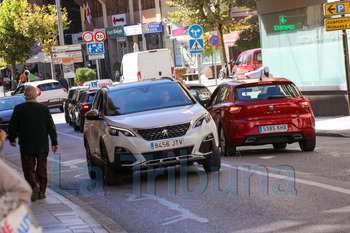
{"type": "Point", "coordinates": [214, 40]}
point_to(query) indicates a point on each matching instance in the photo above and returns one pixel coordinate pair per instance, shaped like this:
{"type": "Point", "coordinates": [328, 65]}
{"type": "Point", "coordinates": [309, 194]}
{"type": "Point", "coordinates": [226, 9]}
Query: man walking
{"type": "Point", "coordinates": [31, 122]}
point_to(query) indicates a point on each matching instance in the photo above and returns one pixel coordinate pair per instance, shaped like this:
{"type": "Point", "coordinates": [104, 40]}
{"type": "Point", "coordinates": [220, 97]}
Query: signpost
{"type": "Point", "coordinates": [214, 40]}
{"type": "Point", "coordinates": [336, 8]}
{"type": "Point", "coordinates": [100, 36]}
{"type": "Point", "coordinates": [342, 23]}
{"type": "Point", "coordinates": [67, 54]}
{"type": "Point", "coordinates": [196, 45]}
{"type": "Point", "coordinates": [88, 37]}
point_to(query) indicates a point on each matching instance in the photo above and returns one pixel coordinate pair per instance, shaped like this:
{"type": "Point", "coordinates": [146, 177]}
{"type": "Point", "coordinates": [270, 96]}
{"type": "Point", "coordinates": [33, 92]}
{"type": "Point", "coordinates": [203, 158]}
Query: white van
{"type": "Point", "coordinates": [145, 65]}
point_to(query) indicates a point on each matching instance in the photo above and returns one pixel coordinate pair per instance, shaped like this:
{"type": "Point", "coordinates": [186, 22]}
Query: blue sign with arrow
{"type": "Point", "coordinates": [195, 31]}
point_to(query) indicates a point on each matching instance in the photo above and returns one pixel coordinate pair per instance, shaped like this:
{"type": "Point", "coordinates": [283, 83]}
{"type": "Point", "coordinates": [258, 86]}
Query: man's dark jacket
{"type": "Point", "coordinates": [32, 123]}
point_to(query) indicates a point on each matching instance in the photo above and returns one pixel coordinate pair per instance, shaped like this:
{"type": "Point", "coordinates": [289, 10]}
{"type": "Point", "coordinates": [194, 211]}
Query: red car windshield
{"type": "Point", "coordinates": [264, 92]}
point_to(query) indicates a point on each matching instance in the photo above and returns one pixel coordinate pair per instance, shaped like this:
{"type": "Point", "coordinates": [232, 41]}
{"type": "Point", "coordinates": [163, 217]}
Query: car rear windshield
{"type": "Point", "coordinates": [200, 90]}
{"type": "Point", "coordinates": [265, 92]}
{"type": "Point", "coordinates": [146, 98]}
{"type": "Point", "coordinates": [49, 86]}
{"type": "Point", "coordinates": [91, 97]}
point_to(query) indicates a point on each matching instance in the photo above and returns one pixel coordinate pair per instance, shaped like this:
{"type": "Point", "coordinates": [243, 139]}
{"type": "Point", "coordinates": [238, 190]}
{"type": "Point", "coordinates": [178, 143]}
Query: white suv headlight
{"type": "Point", "coordinates": [199, 121]}
{"type": "Point", "coordinates": [114, 131]}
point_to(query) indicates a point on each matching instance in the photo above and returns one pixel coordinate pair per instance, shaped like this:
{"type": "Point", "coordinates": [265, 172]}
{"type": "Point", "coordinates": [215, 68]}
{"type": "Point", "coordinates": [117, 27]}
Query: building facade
{"type": "Point", "coordinates": [296, 45]}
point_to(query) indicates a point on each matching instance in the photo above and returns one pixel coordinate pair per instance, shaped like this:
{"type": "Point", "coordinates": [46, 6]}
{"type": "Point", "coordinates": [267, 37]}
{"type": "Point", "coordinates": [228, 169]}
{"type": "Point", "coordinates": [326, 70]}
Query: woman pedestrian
{"type": "Point", "coordinates": [14, 190]}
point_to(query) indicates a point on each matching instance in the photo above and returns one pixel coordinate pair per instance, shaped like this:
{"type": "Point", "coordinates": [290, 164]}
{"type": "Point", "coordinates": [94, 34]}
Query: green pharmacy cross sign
{"type": "Point", "coordinates": [283, 26]}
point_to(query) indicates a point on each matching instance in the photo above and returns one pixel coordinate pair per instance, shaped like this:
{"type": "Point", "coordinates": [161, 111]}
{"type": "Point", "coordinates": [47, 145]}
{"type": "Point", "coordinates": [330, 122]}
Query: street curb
{"type": "Point", "coordinates": [328, 133]}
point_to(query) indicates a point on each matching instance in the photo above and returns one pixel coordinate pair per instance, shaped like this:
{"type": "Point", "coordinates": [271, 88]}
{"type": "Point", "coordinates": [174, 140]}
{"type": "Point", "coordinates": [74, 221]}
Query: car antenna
{"type": "Point", "coordinates": [260, 79]}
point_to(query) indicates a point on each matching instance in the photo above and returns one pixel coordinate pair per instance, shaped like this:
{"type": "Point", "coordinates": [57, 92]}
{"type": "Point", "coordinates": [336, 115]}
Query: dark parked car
{"type": "Point", "coordinates": [83, 106]}
{"type": "Point", "coordinates": [256, 112]}
{"type": "Point", "coordinates": [7, 104]}
{"type": "Point", "coordinates": [201, 90]}
{"type": "Point", "coordinates": [73, 99]}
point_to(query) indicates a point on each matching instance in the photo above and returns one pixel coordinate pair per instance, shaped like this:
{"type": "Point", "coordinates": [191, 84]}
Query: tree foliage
{"type": "Point", "coordinates": [210, 15]}
{"type": "Point", "coordinates": [16, 37]}
{"type": "Point", "coordinates": [249, 38]}
{"type": "Point", "coordinates": [84, 74]}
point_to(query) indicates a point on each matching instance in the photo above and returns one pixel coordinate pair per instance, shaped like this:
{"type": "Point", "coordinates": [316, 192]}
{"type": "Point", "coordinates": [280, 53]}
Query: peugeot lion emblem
{"type": "Point", "coordinates": [271, 107]}
{"type": "Point", "coordinates": [165, 133]}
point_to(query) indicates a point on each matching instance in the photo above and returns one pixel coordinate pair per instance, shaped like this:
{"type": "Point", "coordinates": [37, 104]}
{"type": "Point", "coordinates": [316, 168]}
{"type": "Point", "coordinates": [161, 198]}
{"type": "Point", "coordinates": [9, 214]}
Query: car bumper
{"type": "Point", "coordinates": [54, 104]}
{"type": "Point", "coordinates": [135, 153]}
{"type": "Point", "coordinates": [247, 132]}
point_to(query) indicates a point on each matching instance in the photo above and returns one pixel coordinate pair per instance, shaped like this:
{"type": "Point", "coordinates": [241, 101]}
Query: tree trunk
{"type": "Point", "coordinates": [13, 75]}
{"type": "Point", "coordinates": [221, 46]}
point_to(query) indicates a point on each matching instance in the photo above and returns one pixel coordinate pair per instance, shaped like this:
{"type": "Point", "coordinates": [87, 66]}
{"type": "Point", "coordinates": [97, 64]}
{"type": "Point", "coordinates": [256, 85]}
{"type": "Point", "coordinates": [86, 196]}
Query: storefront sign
{"type": "Point", "coordinates": [283, 26]}
{"type": "Point", "coordinates": [133, 30]}
{"type": "Point", "coordinates": [119, 20]}
{"type": "Point", "coordinates": [115, 31]}
{"type": "Point", "coordinates": [179, 32]}
{"type": "Point", "coordinates": [154, 28]}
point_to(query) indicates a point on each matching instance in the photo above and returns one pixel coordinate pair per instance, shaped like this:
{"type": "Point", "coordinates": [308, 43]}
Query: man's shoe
{"type": "Point", "coordinates": [35, 194]}
{"type": "Point", "coordinates": [42, 196]}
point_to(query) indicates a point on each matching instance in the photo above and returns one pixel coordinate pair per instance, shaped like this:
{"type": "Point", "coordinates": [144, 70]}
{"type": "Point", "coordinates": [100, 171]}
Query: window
{"type": "Point", "coordinates": [267, 92]}
{"type": "Point", "coordinates": [222, 95]}
{"type": "Point", "coordinates": [249, 61]}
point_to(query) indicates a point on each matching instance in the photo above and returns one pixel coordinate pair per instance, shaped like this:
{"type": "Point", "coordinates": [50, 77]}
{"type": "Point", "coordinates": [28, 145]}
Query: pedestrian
{"type": "Point", "coordinates": [14, 190]}
{"type": "Point", "coordinates": [24, 77]}
{"type": "Point", "coordinates": [47, 76]}
{"type": "Point", "coordinates": [63, 82]}
{"type": "Point", "coordinates": [260, 73]}
{"type": "Point", "coordinates": [32, 123]}
{"type": "Point", "coordinates": [41, 76]}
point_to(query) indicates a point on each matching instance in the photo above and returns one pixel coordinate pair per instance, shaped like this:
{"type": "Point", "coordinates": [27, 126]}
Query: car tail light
{"type": "Point", "coordinates": [173, 72]}
{"type": "Point", "coordinates": [86, 106]}
{"type": "Point", "coordinates": [139, 76]}
{"type": "Point", "coordinates": [235, 109]}
{"type": "Point", "coordinates": [305, 104]}
{"type": "Point", "coordinates": [38, 92]}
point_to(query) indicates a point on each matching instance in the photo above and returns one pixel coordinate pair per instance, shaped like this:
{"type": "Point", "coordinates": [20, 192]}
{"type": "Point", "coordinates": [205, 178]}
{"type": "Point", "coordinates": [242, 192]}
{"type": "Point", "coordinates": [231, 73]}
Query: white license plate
{"type": "Point", "coordinates": [167, 144]}
{"type": "Point", "coordinates": [273, 128]}
{"type": "Point", "coordinates": [54, 100]}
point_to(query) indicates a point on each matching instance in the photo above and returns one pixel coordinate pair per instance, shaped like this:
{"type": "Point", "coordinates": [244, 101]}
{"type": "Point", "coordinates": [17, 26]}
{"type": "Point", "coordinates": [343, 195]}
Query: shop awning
{"type": "Point", "coordinates": [40, 57]}
{"type": "Point", "coordinates": [230, 38]}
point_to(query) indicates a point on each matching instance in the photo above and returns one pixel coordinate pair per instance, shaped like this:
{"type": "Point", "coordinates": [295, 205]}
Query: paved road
{"type": "Point", "coordinates": [315, 199]}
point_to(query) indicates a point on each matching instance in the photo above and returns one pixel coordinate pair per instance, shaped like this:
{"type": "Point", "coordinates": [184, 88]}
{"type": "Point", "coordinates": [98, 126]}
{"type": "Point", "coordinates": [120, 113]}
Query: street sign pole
{"type": "Point", "coordinates": [216, 80]}
{"type": "Point", "coordinates": [346, 61]}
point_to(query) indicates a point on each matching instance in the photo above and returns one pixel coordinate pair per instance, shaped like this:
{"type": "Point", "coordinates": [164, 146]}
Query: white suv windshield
{"type": "Point", "coordinates": [147, 97]}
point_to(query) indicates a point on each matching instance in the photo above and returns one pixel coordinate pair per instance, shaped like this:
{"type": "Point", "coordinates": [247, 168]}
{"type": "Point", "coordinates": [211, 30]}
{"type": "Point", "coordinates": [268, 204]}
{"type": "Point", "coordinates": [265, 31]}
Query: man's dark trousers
{"type": "Point", "coordinates": [35, 176]}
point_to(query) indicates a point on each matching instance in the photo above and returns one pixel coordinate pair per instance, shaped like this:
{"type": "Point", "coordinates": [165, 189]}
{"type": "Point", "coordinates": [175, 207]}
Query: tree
{"type": "Point", "coordinates": [249, 38]}
{"type": "Point", "coordinates": [45, 24]}
{"type": "Point", "coordinates": [210, 15]}
{"type": "Point", "coordinates": [84, 74]}
{"type": "Point", "coordinates": [15, 37]}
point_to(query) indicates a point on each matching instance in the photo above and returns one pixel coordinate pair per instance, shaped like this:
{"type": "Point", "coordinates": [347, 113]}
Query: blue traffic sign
{"type": "Point", "coordinates": [196, 46]}
{"type": "Point", "coordinates": [195, 31]}
{"type": "Point", "coordinates": [95, 48]}
{"type": "Point", "coordinates": [214, 40]}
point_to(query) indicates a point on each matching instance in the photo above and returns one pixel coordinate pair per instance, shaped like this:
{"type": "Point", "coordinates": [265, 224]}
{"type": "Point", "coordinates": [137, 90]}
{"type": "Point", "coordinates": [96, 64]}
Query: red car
{"type": "Point", "coordinates": [257, 112]}
{"type": "Point", "coordinates": [247, 61]}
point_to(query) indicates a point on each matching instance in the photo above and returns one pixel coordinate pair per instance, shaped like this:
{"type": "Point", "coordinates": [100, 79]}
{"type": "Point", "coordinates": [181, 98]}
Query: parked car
{"type": "Point", "coordinates": [254, 112]}
{"type": "Point", "coordinates": [83, 106]}
{"type": "Point", "coordinates": [66, 104]}
{"type": "Point", "coordinates": [247, 61]}
{"type": "Point", "coordinates": [7, 104]}
{"type": "Point", "coordinates": [74, 101]}
{"type": "Point", "coordinates": [148, 124]}
{"type": "Point", "coordinates": [202, 90]}
{"type": "Point", "coordinates": [49, 92]}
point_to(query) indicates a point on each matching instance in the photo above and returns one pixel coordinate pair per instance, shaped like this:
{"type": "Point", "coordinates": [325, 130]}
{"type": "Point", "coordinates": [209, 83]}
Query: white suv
{"type": "Point", "coordinates": [49, 92]}
{"type": "Point", "coordinates": [148, 124]}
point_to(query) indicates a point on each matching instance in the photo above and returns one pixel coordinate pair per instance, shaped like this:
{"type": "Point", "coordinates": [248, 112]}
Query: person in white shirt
{"type": "Point", "coordinates": [263, 72]}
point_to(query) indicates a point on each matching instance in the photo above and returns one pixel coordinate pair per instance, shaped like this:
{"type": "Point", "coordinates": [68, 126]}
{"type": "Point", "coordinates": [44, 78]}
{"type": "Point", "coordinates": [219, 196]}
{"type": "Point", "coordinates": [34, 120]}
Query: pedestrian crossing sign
{"type": "Point", "coordinates": [196, 46]}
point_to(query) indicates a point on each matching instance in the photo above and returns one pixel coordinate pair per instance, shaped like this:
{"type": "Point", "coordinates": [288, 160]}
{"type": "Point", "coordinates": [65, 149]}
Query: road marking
{"type": "Point", "coordinates": [297, 180]}
{"type": "Point", "coordinates": [70, 135]}
{"type": "Point", "coordinates": [184, 213]}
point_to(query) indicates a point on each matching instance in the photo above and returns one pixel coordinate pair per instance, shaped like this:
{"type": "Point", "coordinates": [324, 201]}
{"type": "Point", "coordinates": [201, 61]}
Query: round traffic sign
{"type": "Point", "coordinates": [100, 36]}
{"type": "Point", "coordinates": [195, 31]}
{"type": "Point", "coordinates": [88, 37]}
{"type": "Point", "coordinates": [214, 40]}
